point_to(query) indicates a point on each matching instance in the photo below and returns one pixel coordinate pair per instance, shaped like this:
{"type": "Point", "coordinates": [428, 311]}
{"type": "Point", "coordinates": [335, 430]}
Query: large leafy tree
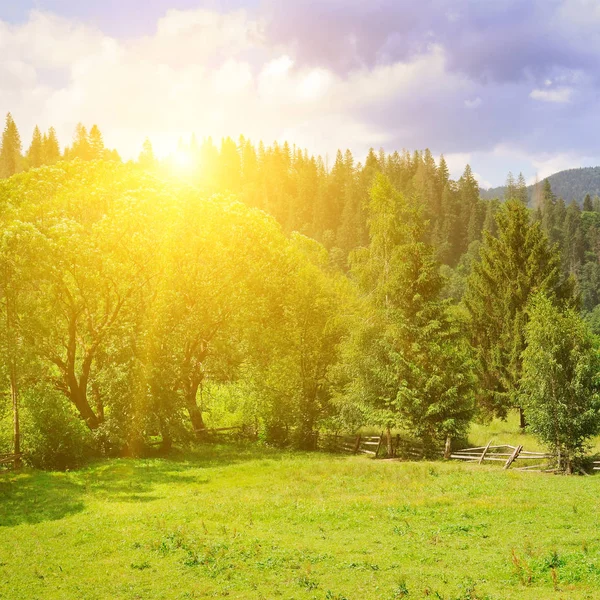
{"type": "Point", "coordinates": [212, 289]}
{"type": "Point", "coordinates": [95, 249]}
{"type": "Point", "coordinates": [513, 265]}
{"type": "Point", "coordinates": [560, 386]}
{"type": "Point", "coordinates": [291, 362]}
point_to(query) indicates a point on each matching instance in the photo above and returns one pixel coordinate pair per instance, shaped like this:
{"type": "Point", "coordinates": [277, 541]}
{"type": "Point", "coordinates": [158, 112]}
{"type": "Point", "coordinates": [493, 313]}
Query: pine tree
{"type": "Point", "coordinates": [81, 144]}
{"type": "Point", "coordinates": [399, 353]}
{"type": "Point", "coordinates": [50, 148]}
{"type": "Point", "coordinates": [35, 154]}
{"type": "Point", "coordinates": [510, 191]}
{"type": "Point", "coordinates": [147, 158]}
{"type": "Point", "coordinates": [96, 143]}
{"type": "Point", "coordinates": [587, 203]}
{"type": "Point", "coordinates": [513, 265]}
{"type": "Point", "coordinates": [521, 189]}
{"type": "Point", "coordinates": [10, 151]}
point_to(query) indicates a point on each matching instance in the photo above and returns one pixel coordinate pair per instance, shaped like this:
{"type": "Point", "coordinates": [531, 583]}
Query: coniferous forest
{"type": "Point", "coordinates": [291, 294]}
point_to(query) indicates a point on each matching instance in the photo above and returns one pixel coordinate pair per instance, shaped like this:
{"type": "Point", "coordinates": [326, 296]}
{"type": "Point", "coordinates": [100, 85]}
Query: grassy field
{"type": "Point", "coordinates": [240, 522]}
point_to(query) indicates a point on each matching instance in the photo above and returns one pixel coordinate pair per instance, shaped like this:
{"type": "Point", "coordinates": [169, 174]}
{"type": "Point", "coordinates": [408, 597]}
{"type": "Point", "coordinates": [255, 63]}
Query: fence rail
{"type": "Point", "coordinates": [504, 453]}
{"type": "Point", "coordinates": [6, 460]}
{"type": "Point", "coordinates": [374, 446]}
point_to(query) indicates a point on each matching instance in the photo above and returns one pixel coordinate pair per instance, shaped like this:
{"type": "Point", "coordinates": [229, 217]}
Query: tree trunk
{"type": "Point", "coordinates": [14, 393]}
{"type": "Point", "coordinates": [390, 449]}
{"type": "Point", "coordinates": [167, 440]}
{"type": "Point", "coordinates": [523, 420]}
{"type": "Point", "coordinates": [14, 384]}
{"type": "Point", "coordinates": [80, 401]}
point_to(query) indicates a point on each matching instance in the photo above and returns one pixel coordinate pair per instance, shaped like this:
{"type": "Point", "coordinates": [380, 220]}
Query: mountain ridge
{"type": "Point", "coordinates": [569, 184]}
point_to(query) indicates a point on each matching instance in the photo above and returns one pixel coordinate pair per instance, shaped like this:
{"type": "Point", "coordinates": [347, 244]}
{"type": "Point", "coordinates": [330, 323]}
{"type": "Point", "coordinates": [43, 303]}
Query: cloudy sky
{"type": "Point", "coordinates": [501, 84]}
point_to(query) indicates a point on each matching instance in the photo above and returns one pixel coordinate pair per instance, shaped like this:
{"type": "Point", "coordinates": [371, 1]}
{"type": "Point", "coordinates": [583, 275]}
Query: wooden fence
{"type": "Point", "coordinates": [506, 454]}
{"type": "Point", "coordinates": [375, 446]}
{"type": "Point", "coordinates": [9, 460]}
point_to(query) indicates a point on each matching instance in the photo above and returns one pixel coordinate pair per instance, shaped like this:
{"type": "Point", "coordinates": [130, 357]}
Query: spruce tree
{"type": "Point", "coordinates": [96, 143]}
{"type": "Point", "coordinates": [510, 191]}
{"type": "Point", "coordinates": [521, 189]}
{"type": "Point", "coordinates": [81, 144]}
{"type": "Point", "coordinates": [409, 359]}
{"type": "Point", "coordinates": [35, 154]}
{"type": "Point", "coordinates": [147, 158]}
{"type": "Point", "coordinates": [10, 150]}
{"type": "Point", "coordinates": [51, 148]}
{"type": "Point", "coordinates": [512, 265]}
{"type": "Point", "coordinates": [587, 203]}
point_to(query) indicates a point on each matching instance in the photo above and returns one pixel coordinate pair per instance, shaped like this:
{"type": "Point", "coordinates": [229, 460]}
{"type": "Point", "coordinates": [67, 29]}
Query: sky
{"type": "Point", "coordinates": [504, 85]}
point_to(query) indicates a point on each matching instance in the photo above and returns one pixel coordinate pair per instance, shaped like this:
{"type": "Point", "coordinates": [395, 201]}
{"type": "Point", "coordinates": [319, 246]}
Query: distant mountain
{"type": "Point", "coordinates": [569, 184]}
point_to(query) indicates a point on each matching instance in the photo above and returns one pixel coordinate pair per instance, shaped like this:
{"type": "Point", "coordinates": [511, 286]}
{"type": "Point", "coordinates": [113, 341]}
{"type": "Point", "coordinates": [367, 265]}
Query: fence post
{"type": "Point", "coordinates": [513, 457]}
{"type": "Point", "coordinates": [448, 448]}
{"type": "Point", "coordinates": [357, 444]}
{"type": "Point", "coordinates": [484, 452]}
{"type": "Point", "coordinates": [379, 445]}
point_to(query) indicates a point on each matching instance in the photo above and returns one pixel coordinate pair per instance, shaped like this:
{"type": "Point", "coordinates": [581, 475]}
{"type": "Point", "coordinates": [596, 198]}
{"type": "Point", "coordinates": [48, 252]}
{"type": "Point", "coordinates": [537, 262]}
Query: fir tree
{"type": "Point", "coordinates": [147, 158]}
{"type": "Point", "coordinates": [521, 189]}
{"type": "Point", "coordinates": [35, 154]}
{"type": "Point", "coordinates": [50, 147]}
{"type": "Point", "coordinates": [96, 143]}
{"type": "Point", "coordinates": [399, 353]}
{"type": "Point", "coordinates": [513, 265]}
{"type": "Point", "coordinates": [10, 150]}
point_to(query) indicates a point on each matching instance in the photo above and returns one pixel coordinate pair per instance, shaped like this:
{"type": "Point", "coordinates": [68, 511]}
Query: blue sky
{"type": "Point", "coordinates": [501, 84]}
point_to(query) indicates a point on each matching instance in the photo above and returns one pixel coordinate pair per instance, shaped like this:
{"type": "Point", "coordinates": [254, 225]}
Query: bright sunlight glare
{"type": "Point", "coordinates": [183, 162]}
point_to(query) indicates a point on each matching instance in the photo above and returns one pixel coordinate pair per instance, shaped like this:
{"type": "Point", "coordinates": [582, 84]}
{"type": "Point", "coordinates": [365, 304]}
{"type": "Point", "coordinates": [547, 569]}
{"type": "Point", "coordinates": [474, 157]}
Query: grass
{"type": "Point", "coordinates": [248, 523]}
{"type": "Point", "coordinates": [509, 432]}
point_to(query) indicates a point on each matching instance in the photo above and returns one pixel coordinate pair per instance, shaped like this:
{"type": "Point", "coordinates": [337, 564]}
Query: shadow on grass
{"type": "Point", "coordinates": [36, 496]}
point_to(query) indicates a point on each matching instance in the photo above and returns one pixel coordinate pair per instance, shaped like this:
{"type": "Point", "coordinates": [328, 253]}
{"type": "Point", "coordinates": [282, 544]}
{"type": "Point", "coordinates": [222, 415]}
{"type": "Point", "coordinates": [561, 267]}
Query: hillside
{"type": "Point", "coordinates": [569, 184]}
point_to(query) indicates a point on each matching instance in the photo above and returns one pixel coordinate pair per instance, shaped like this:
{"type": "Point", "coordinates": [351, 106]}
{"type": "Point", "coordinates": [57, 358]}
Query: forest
{"type": "Point", "coordinates": [261, 286]}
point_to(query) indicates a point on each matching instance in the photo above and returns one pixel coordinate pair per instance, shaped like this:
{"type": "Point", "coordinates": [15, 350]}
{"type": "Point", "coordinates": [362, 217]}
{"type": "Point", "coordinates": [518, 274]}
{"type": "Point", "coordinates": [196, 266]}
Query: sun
{"type": "Point", "coordinates": [183, 161]}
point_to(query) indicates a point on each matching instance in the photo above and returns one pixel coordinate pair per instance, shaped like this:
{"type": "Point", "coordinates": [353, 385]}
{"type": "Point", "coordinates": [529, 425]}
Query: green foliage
{"type": "Point", "coordinates": [408, 364]}
{"type": "Point", "coordinates": [10, 149]}
{"type": "Point", "coordinates": [560, 379]}
{"type": "Point", "coordinates": [513, 265]}
{"type": "Point", "coordinates": [53, 438]}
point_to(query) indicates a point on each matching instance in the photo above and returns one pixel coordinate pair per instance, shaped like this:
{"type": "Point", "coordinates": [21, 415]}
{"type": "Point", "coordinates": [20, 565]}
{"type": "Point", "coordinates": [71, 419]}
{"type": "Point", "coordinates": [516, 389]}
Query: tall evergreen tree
{"type": "Point", "coordinates": [10, 150]}
{"type": "Point", "coordinates": [513, 265]}
{"type": "Point", "coordinates": [96, 143]}
{"type": "Point", "coordinates": [521, 189]}
{"type": "Point", "coordinates": [35, 154]}
{"type": "Point", "coordinates": [50, 147]}
{"type": "Point", "coordinates": [408, 358]}
{"type": "Point", "coordinates": [147, 158]}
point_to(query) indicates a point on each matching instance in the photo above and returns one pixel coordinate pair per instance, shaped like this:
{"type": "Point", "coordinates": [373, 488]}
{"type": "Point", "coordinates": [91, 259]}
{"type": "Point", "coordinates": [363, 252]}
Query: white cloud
{"type": "Point", "coordinates": [473, 102]}
{"type": "Point", "coordinates": [202, 71]}
{"type": "Point", "coordinates": [560, 95]}
{"type": "Point", "coordinates": [456, 162]}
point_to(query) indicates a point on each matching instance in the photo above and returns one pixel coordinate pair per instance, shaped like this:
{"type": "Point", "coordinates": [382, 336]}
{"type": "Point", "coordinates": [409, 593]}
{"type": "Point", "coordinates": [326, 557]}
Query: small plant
{"type": "Point", "coordinates": [401, 590]}
{"type": "Point", "coordinates": [522, 569]}
{"type": "Point", "coordinates": [306, 582]}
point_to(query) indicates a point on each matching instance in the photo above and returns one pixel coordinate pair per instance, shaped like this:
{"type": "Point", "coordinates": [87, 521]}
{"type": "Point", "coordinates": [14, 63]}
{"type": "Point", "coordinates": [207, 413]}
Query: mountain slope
{"type": "Point", "coordinates": [569, 184]}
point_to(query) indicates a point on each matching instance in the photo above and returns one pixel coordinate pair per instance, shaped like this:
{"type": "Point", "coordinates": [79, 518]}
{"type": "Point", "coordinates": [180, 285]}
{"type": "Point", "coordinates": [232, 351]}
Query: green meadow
{"type": "Point", "coordinates": [243, 522]}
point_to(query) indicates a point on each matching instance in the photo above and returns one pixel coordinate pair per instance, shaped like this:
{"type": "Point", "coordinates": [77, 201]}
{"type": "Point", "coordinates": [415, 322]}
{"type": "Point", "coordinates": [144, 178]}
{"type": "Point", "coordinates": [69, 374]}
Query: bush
{"type": "Point", "coordinates": [53, 438]}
